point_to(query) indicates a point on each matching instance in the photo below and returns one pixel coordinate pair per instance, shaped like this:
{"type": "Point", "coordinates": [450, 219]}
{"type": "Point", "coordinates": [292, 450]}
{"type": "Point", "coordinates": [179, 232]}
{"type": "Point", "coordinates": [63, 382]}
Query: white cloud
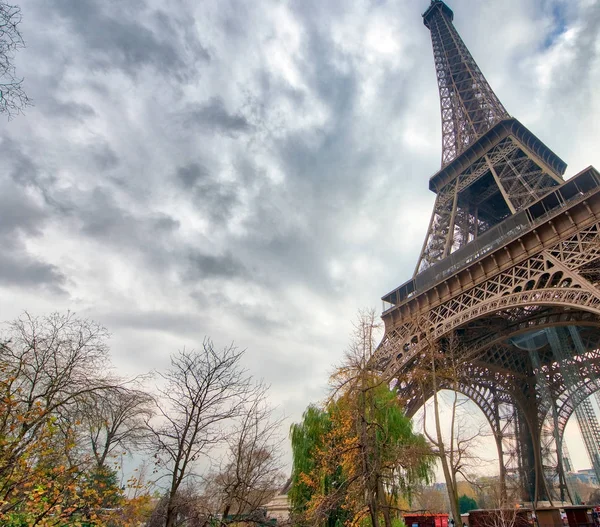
{"type": "Point", "coordinates": [257, 171]}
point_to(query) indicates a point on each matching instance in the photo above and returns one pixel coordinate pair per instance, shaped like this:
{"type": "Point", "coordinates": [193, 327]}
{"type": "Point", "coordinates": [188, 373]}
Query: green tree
{"type": "Point", "coordinates": [466, 504]}
{"type": "Point", "coordinates": [354, 459]}
{"type": "Point", "coordinates": [307, 440]}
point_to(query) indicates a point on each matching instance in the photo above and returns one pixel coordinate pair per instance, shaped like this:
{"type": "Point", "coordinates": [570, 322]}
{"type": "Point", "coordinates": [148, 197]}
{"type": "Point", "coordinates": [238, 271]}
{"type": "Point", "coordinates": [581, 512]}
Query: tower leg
{"type": "Point", "coordinates": [534, 487]}
{"type": "Point", "coordinates": [498, 437]}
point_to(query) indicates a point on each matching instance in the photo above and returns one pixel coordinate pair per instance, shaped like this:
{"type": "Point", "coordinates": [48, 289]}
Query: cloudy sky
{"type": "Point", "coordinates": [253, 170]}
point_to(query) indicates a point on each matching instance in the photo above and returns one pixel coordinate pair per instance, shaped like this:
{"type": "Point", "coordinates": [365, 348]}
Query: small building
{"type": "Point", "coordinates": [279, 508]}
{"type": "Point", "coordinates": [426, 520]}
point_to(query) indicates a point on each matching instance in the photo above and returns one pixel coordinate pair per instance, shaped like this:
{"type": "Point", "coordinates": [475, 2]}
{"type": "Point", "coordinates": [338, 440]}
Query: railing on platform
{"type": "Point", "coordinates": [576, 189]}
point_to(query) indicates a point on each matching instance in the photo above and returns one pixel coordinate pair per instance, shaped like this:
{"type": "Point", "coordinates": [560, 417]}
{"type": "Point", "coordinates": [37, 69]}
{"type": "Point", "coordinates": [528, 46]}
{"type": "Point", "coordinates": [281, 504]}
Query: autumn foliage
{"type": "Point", "coordinates": [48, 474]}
{"type": "Point", "coordinates": [67, 421]}
{"type": "Point", "coordinates": [356, 458]}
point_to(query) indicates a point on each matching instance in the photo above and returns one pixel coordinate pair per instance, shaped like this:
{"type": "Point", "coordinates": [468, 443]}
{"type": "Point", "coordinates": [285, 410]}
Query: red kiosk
{"type": "Point", "coordinates": [426, 520]}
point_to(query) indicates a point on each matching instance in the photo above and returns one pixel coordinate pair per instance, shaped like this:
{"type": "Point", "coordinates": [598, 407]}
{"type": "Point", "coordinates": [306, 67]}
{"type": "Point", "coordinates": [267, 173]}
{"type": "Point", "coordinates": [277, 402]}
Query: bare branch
{"type": "Point", "coordinates": [13, 98]}
{"type": "Point", "coordinates": [204, 391]}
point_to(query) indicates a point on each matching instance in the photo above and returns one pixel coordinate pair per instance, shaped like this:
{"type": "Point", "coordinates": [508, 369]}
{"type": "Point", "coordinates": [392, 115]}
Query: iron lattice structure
{"type": "Point", "coordinates": [469, 106]}
{"type": "Point", "coordinates": [506, 293]}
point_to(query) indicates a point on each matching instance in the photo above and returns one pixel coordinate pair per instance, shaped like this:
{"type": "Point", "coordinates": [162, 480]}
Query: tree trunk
{"type": "Point", "coordinates": [385, 508]}
{"type": "Point", "coordinates": [448, 476]}
{"type": "Point", "coordinates": [373, 512]}
{"type": "Point", "coordinates": [452, 494]}
{"type": "Point", "coordinates": [370, 488]}
{"type": "Point", "coordinates": [171, 515]}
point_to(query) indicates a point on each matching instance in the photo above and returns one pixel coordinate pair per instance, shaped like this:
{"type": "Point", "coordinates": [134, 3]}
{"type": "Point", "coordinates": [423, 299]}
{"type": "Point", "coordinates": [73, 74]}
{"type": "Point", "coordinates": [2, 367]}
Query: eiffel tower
{"type": "Point", "coordinates": [509, 276]}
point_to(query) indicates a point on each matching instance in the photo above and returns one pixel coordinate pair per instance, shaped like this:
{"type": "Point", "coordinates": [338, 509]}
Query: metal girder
{"type": "Point", "coordinates": [512, 251]}
{"type": "Point", "coordinates": [590, 431]}
{"type": "Point", "coordinates": [512, 175]}
{"type": "Point", "coordinates": [469, 107]}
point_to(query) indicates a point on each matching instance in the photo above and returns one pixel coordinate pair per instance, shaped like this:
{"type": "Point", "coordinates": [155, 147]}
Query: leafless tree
{"type": "Point", "coordinates": [594, 497]}
{"type": "Point", "coordinates": [506, 517]}
{"type": "Point", "coordinates": [456, 449]}
{"type": "Point", "coordinates": [204, 390]}
{"type": "Point", "coordinates": [191, 509]}
{"type": "Point", "coordinates": [491, 494]}
{"type": "Point", "coordinates": [252, 471]}
{"type": "Point", "coordinates": [12, 96]}
{"type": "Point", "coordinates": [115, 419]}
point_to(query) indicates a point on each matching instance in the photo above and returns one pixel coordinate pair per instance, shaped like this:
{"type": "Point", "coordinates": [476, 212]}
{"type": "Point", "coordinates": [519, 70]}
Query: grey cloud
{"type": "Point", "coordinates": [216, 199]}
{"type": "Point", "coordinates": [115, 40]}
{"type": "Point", "coordinates": [296, 257]}
{"type": "Point", "coordinates": [104, 156]}
{"type": "Point", "coordinates": [154, 320]}
{"type": "Point", "coordinates": [202, 266]}
{"type": "Point", "coordinates": [586, 49]}
{"type": "Point", "coordinates": [101, 217]}
{"type": "Point", "coordinates": [21, 217]}
{"type": "Point", "coordinates": [185, 24]}
{"type": "Point", "coordinates": [214, 117]}
{"type": "Point", "coordinates": [266, 320]}
{"type": "Point", "coordinates": [192, 174]}
{"type": "Point", "coordinates": [67, 110]}
{"type": "Point", "coordinates": [19, 213]}
{"type": "Point", "coordinates": [26, 173]}
{"type": "Point", "coordinates": [286, 368]}
{"type": "Point", "coordinates": [21, 269]}
{"type": "Point", "coordinates": [23, 170]}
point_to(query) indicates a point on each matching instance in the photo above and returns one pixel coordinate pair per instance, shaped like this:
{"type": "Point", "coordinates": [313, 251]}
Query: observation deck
{"type": "Point", "coordinates": [581, 188]}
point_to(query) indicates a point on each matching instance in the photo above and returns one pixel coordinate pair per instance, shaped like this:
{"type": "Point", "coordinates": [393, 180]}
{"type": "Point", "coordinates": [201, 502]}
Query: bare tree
{"type": "Point", "coordinates": [252, 471]}
{"type": "Point", "coordinates": [456, 448]}
{"type": "Point", "coordinates": [594, 497]}
{"type": "Point", "coordinates": [505, 517]}
{"type": "Point", "coordinates": [115, 419]}
{"type": "Point", "coordinates": [204, 390]}
{"type": "Point", "coordinates": [191, 509]}
{"type": "Point", "coordinates": [12, 96]}
{"type": "Point", "coordinates": [492, 494]}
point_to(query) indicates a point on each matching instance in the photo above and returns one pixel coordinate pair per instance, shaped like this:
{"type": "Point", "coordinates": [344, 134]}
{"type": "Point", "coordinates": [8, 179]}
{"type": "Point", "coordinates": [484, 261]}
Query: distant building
{"type": "Point", "coordinates": [279, 507]}
{"type": "Point", "coordinates": [586, 475]}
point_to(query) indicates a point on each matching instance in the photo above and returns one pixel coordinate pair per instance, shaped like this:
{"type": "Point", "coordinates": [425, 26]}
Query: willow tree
{"type": "Point", "coordinates": [367, 456]}
{"type": "Point", "coordinates": [309, 478]}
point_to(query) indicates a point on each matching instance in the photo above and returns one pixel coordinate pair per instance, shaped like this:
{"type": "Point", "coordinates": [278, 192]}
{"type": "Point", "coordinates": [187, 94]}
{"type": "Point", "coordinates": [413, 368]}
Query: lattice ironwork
{"type": "Point", "coordinates": [590, 431]}
{"type": "Point", "coordinates": [468, 105]}
{"type": "Point", "coordinates": [586, 416]}
{"type": "Point", "coordinates": [547, 279]}
{"type": "Point", "coordinates": [509, 273]}
{"type": "Point", "coordinates": [504, 181]}
{"type": "Point", "coordinates": [568, 397]}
